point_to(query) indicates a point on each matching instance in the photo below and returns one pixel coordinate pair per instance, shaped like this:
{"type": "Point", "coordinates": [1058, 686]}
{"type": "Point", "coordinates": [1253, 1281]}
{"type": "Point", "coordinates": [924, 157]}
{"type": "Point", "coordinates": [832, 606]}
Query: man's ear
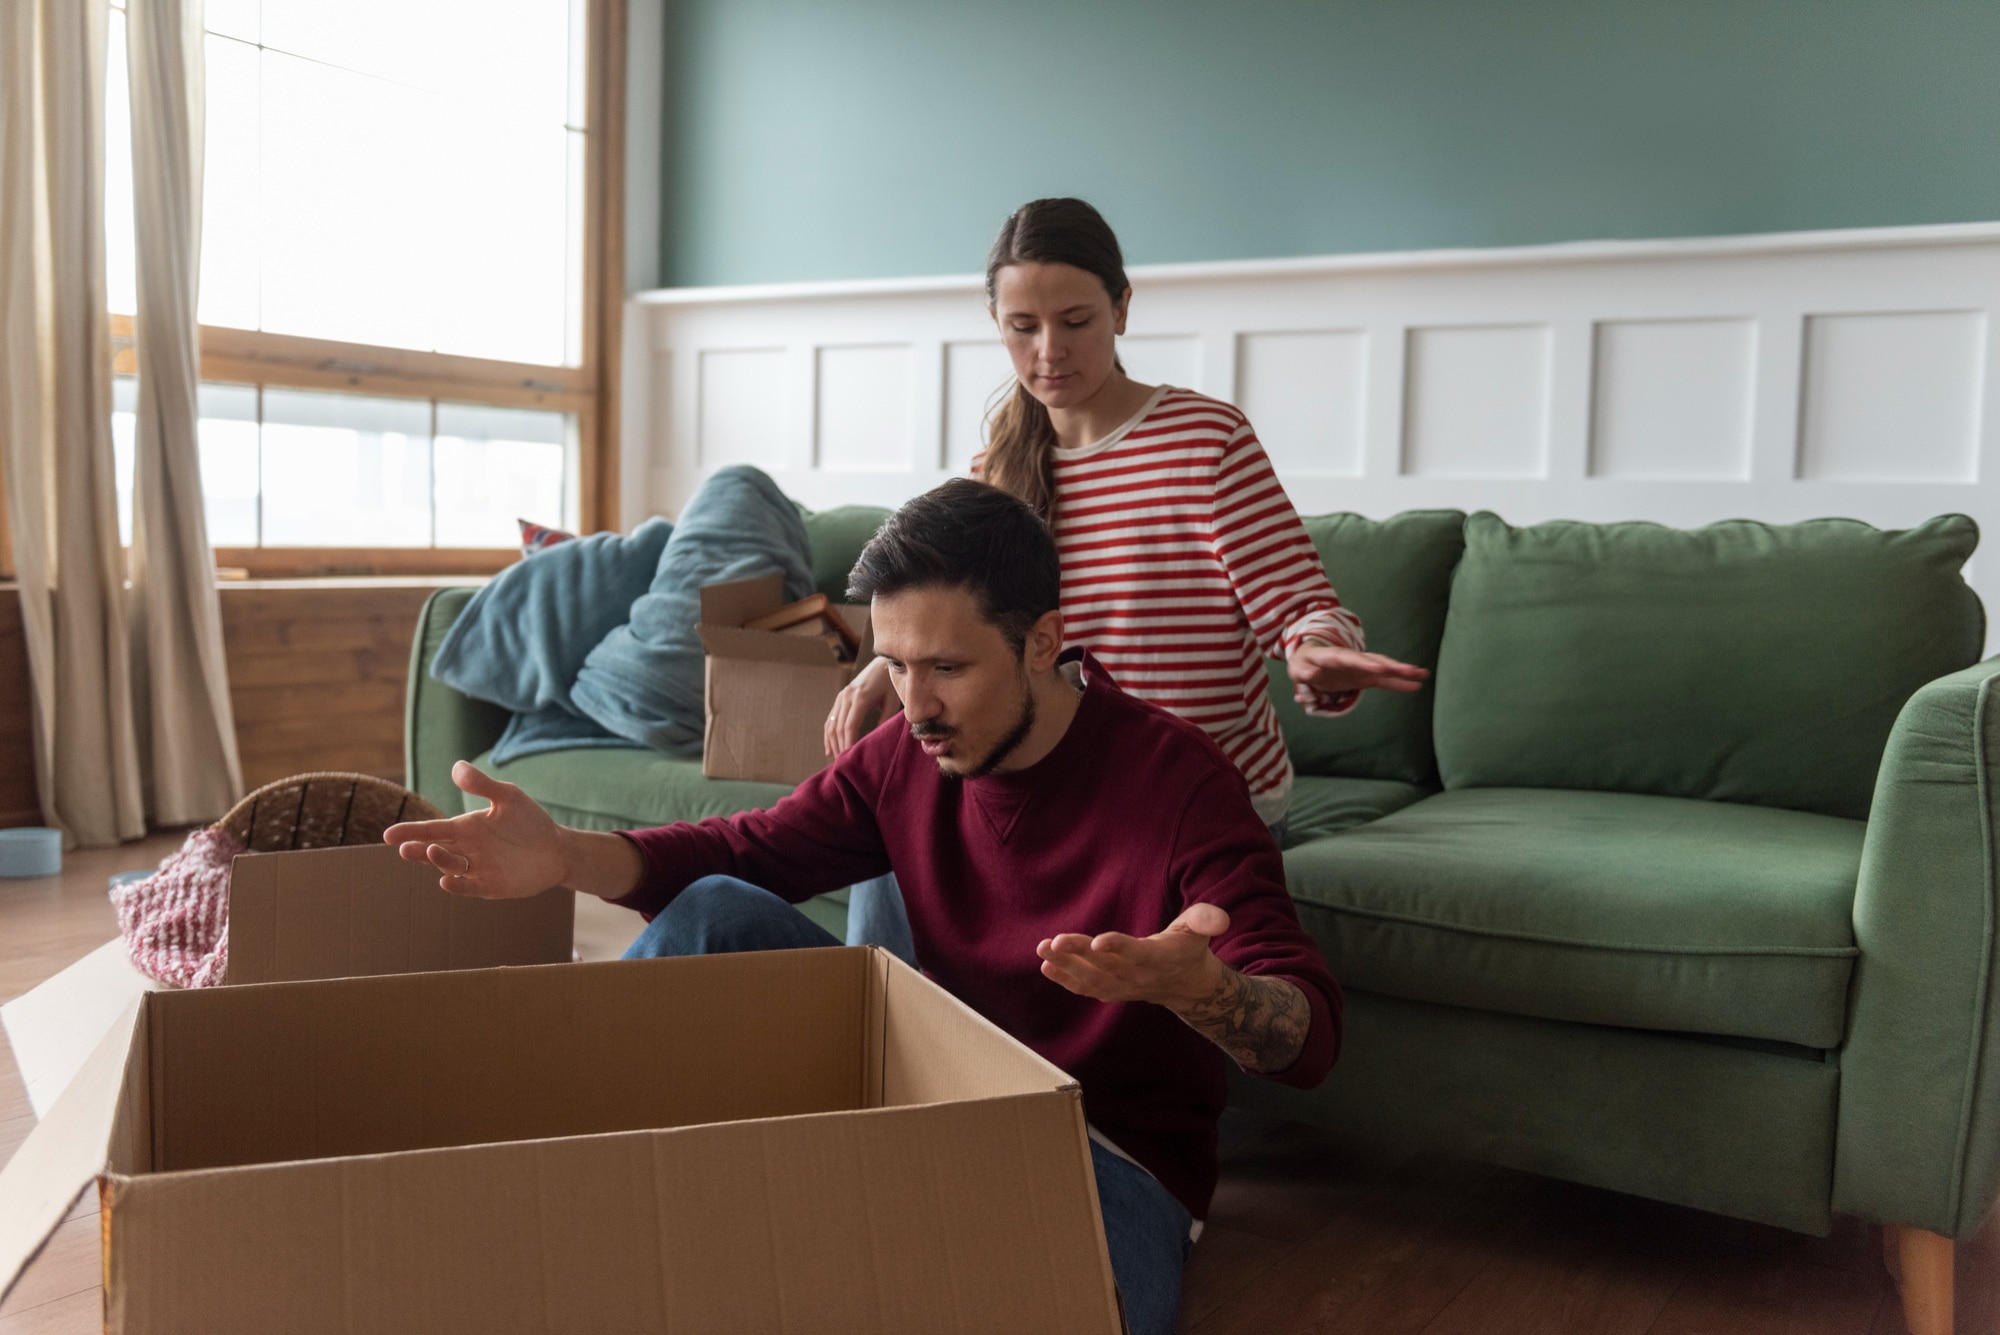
{"type": "Point", "coordinates": [1044, 643]}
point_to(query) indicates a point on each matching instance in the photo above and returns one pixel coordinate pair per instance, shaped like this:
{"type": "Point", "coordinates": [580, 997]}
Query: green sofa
{"type": "Point", "coordinates": [1681, 880]}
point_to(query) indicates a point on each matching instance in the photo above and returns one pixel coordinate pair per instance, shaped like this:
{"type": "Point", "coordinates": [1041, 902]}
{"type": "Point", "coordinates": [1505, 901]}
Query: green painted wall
{"type": "Point", "coordinates": [808, 139]}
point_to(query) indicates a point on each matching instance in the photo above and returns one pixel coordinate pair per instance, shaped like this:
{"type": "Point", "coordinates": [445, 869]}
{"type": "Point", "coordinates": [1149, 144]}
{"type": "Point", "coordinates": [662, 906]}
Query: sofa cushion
{"type": "Point", "coordinates": [838, 535]}
{"type": "Point", "coordinates": [1322, 806]}
{"type": "Point", "coordinates": [1602, 908]}
{"type": "Point", "coordinates": [1742, 662]}
{"type": "Point", "coordinates": [627, 789]}
{"type": "Point", "coordinates": [1395, 574]}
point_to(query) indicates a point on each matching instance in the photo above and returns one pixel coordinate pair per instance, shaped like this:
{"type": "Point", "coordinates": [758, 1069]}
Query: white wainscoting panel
{"type": "Point", "coordinates": [865, 416]}
{"type": "Point", "coordinates": [1477, 402]}
{"type": "Point", "coordinates": [1305, 392]}
{"type": "Point", "coordinates": [978, 378]}
{"type": "Point", "coordinates": [1156, 359]}
{"type": "Point", "coordinates": [1775, 377]}
{"type": "Point", "coordinates": [1893, 396]}
{"type": "Point", "coordinates": [742, 415]}
{"type": "Point", "coordinates": [1672, 399]}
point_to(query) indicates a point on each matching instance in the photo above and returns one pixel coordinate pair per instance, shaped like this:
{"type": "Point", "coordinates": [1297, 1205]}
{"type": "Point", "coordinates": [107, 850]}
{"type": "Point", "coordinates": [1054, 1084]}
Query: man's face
{"type": "Point", "coordinates": [965, 691]}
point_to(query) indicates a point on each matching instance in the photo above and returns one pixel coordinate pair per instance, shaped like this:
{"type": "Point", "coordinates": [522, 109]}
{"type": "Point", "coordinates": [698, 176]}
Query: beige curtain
{"type": "Point", "coordinates": [55, 384]}
{"type": "Point", "coordinates": [55, 428]}
{"type": "Point", "coordinates": [188, 732]}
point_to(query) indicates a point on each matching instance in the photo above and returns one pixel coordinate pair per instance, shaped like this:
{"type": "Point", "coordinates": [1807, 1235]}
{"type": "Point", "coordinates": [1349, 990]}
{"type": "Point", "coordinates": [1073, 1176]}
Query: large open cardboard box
{"type": "Point", "coordinates": [768, 693]}
{"type": "Point", "coordinates": [812, 1140]}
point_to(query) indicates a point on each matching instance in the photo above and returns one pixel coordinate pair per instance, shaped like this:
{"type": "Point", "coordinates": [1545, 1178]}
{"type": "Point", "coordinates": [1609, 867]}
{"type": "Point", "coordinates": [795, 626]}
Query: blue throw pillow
{"type": "Point", "coordinates": [644, 681]}
{"type": "Point", "coordinates": [522, 639]}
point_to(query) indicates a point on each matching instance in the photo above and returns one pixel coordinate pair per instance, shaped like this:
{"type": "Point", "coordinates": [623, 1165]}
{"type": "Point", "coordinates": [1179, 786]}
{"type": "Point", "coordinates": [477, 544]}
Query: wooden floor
{"type": "Point", "coordinates": [1309, 1232]}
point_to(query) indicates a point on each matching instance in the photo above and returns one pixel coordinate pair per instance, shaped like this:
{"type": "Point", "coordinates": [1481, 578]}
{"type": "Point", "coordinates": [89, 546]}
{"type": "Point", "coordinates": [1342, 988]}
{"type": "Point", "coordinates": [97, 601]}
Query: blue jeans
{"type": "Point", "coordinates": [1145, 1227]}
{"type": "Point", "coordinates": [876, 916]}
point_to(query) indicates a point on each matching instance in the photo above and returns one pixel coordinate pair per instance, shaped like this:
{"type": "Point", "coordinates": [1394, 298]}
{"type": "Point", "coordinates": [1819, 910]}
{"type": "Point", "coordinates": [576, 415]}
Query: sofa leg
{"type": "Point", "coordinates": [1921, 1263]}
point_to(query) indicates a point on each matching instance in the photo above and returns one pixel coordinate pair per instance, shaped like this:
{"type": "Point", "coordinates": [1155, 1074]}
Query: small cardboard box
{"type": "Point", "coordinates": [768, 692]}
{"type": "Point", "coordinates": [346, 912]}
{"type": "Point", "coordinates": [811, 1140]}
{"type": "Point", "coordinates": [321, 913]}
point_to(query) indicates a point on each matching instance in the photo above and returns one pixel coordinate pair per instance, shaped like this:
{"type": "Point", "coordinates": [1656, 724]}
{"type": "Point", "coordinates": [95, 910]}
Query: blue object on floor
{"type": "Point", "coordinates": [126, 878]}
{"type": "Point", "coordinates": [34, 850]}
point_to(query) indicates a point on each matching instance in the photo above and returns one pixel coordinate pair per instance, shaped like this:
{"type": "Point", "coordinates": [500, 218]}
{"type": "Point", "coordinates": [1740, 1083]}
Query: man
{"type": "Point", "coordinates": [1081, 867]}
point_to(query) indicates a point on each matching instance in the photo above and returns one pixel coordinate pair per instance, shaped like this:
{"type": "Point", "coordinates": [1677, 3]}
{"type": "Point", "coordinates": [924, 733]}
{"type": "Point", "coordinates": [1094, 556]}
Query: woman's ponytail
{"type": "Point", "coordinates": [1020, 451]}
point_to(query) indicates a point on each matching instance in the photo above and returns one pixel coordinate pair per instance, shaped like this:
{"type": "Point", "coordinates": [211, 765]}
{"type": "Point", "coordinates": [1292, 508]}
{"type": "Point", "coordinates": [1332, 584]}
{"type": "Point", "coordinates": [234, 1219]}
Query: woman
{"type": "Point", "coordinates": [1184, 564]}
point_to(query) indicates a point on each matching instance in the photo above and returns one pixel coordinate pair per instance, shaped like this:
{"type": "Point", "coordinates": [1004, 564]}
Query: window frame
{"type": "Point", "coordinates": [589, 390]}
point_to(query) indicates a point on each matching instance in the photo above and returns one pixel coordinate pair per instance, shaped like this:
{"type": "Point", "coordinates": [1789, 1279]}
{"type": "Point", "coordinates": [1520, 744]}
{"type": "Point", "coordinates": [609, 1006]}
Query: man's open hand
{"type": "Point", "coordinates": [1261, 1022]}
{"type": "Point", "coordinates": [510, 850]}
{"type": "Point", "coordinates": [1173, 968]}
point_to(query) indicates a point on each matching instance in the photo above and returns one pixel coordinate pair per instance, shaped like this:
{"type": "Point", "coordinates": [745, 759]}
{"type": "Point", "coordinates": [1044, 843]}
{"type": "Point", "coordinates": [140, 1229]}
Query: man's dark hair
{"type": "Point", "coordinates": [966, 535]}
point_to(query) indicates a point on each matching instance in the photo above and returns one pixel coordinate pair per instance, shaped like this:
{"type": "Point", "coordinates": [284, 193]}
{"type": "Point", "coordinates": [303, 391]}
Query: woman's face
{"type": "Point", "coordinates": [1060, 328]}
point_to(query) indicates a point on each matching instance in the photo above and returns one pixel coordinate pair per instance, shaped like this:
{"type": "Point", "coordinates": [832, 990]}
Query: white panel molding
{"type": "Point", "coordinates": [1673, 399]}
{"type": "Point", "coordinates": [1307, 392]}
{"type": "Point", "coordinates": [1168, 359]}
{"type": "Point", "coordinates": [977, 378]}
{"type": "Point", "coordinates": [740, 416]}
{"type": "Point", "coordinates": [1777, 377]}
{"type": "Point", "coordinates": [1893, 397]}
{"type": "Point", "coordinates": [865, 416]}
{"type": "Point", "coordinates": [1476, 401]}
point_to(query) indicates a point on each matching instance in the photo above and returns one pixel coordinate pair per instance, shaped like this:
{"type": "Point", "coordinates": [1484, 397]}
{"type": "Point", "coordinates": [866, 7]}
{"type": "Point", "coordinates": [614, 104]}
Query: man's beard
{"type": "Point", "coordinates": [1003, 748]}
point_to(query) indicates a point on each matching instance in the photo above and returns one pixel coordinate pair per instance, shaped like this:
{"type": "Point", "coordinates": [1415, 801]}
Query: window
{"type": "Point", "coordinates": [303, 468]}
{"type": "Point", "coordinates": [406, 339]}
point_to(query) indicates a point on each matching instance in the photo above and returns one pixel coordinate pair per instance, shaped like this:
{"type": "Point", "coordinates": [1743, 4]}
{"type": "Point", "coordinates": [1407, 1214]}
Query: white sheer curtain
{"type": "Point", "coordinates": [55, 426]}
{"type": "Point", "coordinates": [187, 729]}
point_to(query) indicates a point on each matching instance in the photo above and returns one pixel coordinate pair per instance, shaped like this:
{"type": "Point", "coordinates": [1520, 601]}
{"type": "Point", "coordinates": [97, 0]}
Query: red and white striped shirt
{"type": "Point", "coordinates": [1184, 566]}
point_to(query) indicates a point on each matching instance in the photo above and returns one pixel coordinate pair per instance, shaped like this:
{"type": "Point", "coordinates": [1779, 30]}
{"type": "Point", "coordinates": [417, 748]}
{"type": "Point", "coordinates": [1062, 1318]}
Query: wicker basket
{"type": "Point", "coordinates": [326, 810]}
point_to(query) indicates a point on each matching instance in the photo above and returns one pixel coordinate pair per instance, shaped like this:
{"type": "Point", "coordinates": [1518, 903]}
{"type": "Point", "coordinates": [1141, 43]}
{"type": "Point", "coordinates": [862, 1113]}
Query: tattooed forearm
{"type": "Point", "coordinates": [1261, 1022]}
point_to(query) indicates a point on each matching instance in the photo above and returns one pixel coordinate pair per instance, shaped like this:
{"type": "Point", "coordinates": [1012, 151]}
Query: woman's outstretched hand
{"type": "Point", "coordinates": [860, 704]}
{"type": "Point", "coordinates": [1325, 669]}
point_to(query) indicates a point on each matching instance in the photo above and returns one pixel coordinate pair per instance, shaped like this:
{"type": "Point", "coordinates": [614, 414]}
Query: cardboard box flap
{"type": "Point", "coordinates": [736, 601]}
{"type": "Point", "coordinates": [350, 912]}
{"type": "Point", "coordinates": [63, 1154]}
{"type": "Point", "coordinates": [907, 1221]}
{"type": "Point", "coordinates": [418, 1061]}
{"type": "Point", "coordinates": [934, 1048]}
{"type": "Point", "coordinates": [858, 620]}
{"type": "Point", "coordinates": [56, 1025]}
{"type": "Point", "coordinates": [767, 646]}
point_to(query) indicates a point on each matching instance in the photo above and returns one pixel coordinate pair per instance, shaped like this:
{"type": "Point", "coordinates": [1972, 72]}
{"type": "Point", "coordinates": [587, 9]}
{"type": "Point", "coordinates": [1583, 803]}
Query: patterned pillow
{"type": "Point", "coordinates": [536, 537]}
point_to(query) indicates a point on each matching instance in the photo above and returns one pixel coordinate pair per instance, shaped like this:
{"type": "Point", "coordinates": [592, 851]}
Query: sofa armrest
{"type": "Point", "coordinates": [1919, 1126]}
{"type": "Point", "coordinates": [441, 726]}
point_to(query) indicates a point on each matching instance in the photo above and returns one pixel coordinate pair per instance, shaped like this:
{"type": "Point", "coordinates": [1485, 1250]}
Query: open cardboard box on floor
{"type": "Point", "coordinates": [815, 1140]}
{"type": "Point", "coordinates": [768, 693]}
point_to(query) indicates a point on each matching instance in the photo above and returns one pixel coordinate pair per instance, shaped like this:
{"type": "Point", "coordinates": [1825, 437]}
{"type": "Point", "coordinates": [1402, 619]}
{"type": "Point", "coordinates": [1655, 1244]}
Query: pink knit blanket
{"type": "Point", "coordinates": [176, 921]}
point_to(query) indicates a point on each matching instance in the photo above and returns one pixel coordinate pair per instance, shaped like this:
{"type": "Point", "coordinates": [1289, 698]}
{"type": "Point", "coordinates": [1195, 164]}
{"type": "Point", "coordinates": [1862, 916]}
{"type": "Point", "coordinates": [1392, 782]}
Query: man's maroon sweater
{"type": "Point", "coordinates": [1132, 817]}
